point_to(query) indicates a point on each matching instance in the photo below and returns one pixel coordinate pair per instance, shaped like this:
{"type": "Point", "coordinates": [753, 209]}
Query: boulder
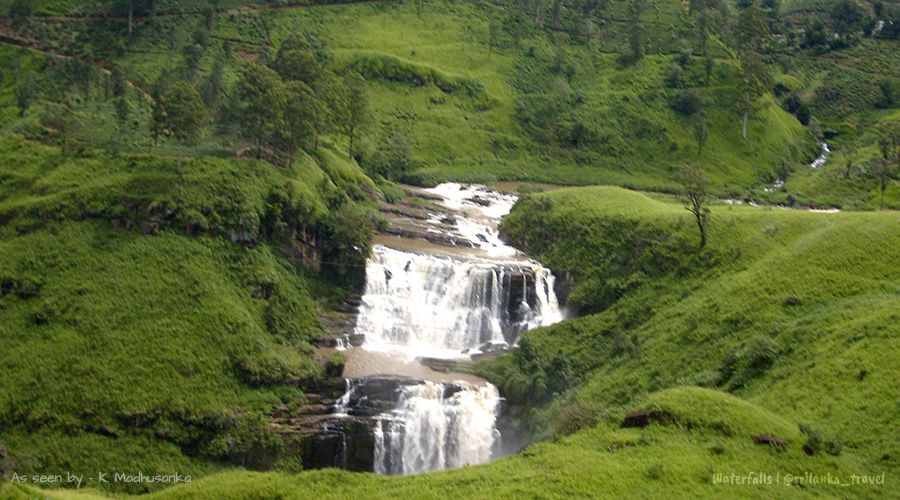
{"type": "Point", "coordinates": [642, 419]}
{"type": "Point", "coordinates": [777, 442]}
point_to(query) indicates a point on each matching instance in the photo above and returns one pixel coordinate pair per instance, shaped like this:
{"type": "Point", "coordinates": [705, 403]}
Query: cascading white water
{"type": "Point", "coordinates": [427, 302]}
{"type": "Point", "coordinates": [431, 430]}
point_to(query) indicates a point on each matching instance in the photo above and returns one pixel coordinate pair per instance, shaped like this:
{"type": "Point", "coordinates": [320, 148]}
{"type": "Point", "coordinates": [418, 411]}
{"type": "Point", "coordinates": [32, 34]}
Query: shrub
{"type": "Point", "coordinates": [816, 442]}
{"type": "Point", "coordinates": [675, 77]}
{"type": "Point", "coordinates": [686, 103]}
{"type": "Point", "coordinates": [742, 366]}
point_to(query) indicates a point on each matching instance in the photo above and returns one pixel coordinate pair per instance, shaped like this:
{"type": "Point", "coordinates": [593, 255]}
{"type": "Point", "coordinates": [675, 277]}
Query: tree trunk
{"type": "Point", "coordinates": [350, 148]}
{"type": "Point", "coordinates": [180, 164]}
{"type": "Point", "coordinates": [702, 228]}
{"type": "Point", "coordinates": [258, 148]}
{"type": "Point", "coordinates": [744, 126]}
{"type": "Point", "coordinates": [130, 17]}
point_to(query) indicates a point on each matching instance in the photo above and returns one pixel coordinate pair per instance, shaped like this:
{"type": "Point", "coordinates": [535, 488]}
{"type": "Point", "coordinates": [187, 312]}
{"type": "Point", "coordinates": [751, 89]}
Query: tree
{"type": "Point", "coordinates": [25, 92]}
{"type": "Point", "coordinates": [158, 118]}
{"type": "Point", "coordinates": [636, 29]}
{"type": "Point", "coordinates": [701, 132]}
{"type": "Point", "coordinates": [705, 53]}
{"type": "Point", "coordinates": [298, 65]}
{"type": "Point", "coordinates": [185, 115]}
{"type": "Point", "coordinates": [123, 111]}
{"type": "Point", "coordinates": [752, 34]}
{"type": "Point", "coordinates": [119, 84]}
{"type": "Point", "coordinates": [260, 96]}
{"type": "Point", "coordinates": [302, 116]}
{"type": "Point", "coordinates": [695, 197]}
{"type": "Point", "coordinates": [394, 154]}
{"type": "Point", "coordinates": [209, 16]}
{"type": "Point", "coordinates": [850, 158]}
{"type": "Point", "coordinates": [20, 11]}
{"type": "Point", "coordinates": [358, 114]}
{"type": "Point", "coordinates": [493, 31]}
{"type": "Point", "coordinates": [885, 169]}
{"type": "Point", "coordinates": [60, 122]}
{"type": "Point", "coordinates": [213, 85]}
{"type": "Point", "coordinates": [132, 8]}
{"type": "Point", "coordinates": [330, 91]}
{"type": "Point", "coordinates": [193, 54]}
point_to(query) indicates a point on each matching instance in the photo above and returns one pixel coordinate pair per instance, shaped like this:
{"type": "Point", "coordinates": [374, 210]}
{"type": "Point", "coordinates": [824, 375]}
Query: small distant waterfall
{"type": "Point", "coordinates": [437, 426]}
{"type": "Point", "coordinates": [438, 302]}
{"type": "Point", "coordinates": [822, 159]}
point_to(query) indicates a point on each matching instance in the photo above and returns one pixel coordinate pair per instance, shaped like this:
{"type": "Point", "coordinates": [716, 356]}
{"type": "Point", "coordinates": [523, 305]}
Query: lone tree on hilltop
{"type": "Point", "coordinates": [695, 197]}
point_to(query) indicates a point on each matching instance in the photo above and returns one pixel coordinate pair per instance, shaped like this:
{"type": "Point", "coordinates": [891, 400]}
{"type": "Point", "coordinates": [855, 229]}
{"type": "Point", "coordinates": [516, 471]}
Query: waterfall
{"type": "Point", "coordinates": [429, 301]}
{"type": "Point", "coordinates": [437, 426]}
{"type": "Point", "coordinates": [440, 303]}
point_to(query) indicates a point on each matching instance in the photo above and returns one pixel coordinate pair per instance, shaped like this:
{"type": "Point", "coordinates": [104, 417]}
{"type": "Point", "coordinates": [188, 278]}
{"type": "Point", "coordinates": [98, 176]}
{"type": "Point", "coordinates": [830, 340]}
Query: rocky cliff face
{"type": "Point", "coordinates": [334, 428]}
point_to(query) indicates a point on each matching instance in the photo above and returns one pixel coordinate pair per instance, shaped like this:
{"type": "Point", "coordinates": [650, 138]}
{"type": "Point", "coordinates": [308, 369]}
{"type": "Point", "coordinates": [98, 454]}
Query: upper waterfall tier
{"type": "Point", "coordinates": [484, 293]}
{"type": "Point", "coordinates": [425, 301]}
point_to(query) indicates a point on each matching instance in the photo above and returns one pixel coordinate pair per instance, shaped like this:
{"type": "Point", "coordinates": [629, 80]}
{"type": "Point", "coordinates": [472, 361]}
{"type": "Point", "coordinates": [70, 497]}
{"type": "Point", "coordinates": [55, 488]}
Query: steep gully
{"type": "Point", "coordinates": [441, 289]}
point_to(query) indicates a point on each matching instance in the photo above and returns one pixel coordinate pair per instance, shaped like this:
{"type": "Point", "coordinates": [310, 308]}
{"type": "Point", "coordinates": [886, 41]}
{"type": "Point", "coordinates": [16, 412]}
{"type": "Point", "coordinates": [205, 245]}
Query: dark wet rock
{"type": "Point", "coordinates": [405, 211]}
{"type": "Point", "coordinates": [445, 365]}
{"type": "Point", "coordinates": [478, 200]}
{"type": "Point", "coordinates": [770, 440]}
{"type": "Point", "coordinates": [642, 419]}
{"type": "Point", "coordinates": [325, 439]}
{"type": "Point", "coordinates": [149, 227]}
{"type": "Point", "coordinates": [493, 348]}
{"type": "Point", "coordinates": [334, 366]}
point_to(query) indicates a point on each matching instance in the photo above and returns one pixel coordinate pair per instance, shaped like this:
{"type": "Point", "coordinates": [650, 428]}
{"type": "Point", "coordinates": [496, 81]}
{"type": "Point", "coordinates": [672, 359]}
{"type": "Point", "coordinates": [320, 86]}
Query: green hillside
{"type": "Point", "coordinates": [611, 122]}
{"type": "Point", "coordinates": [778, 310]}
{"type": "Point", "coordinates": [155, 319]}
{"type": "Point", "coordinates": [163, 274]}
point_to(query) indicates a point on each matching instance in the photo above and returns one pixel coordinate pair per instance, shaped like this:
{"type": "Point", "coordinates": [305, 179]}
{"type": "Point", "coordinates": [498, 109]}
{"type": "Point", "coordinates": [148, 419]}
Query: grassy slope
{"type": "Point", "coordinates": [639, 139]}
{"type": "Point", "coordinates": [828, 308]}
{"type": "Point", "coordinates": [714, 437]}
{"type": "Point", "coordinates": [790, 281]}
{"type": "Point", "coordinates": [458, 139]}
{"type": "Point", "coordinates": [842, 88]}
{"type": "Point", "coordinates": [125, 351]}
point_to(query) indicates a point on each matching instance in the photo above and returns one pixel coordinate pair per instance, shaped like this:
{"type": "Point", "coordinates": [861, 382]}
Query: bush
{"type": "Point", "coordinates": [816, 442]}
{"type": "Point", "coordinates": [743, 365]}
{"type": "Point", "coordinates": [675, 77]}
{"type": "Point", "coordinates": [686, 103]}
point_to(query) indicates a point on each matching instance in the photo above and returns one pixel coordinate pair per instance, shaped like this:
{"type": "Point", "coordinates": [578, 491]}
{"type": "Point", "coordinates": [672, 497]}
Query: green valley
{"type": "Point", "coordinates": [221, 221]}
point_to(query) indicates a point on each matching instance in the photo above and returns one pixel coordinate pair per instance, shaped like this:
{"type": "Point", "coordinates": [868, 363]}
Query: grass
{"type": "Point", "coordinates": [673, 461]}
{"type": "Point", "coordinates": [180, 341]}
{"type": "Point", "coordinates": [635, 138]}
{"type": "Point", "coordinates": [778, 310]}
{"type": "Point", "coordinates": [126, 349]}
{"type": "Point", "coordinates": [778, 328]}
